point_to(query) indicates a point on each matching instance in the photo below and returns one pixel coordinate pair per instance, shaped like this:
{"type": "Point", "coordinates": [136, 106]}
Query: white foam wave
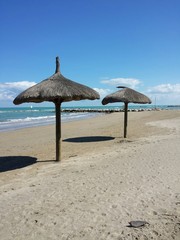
{"type": "Point", "coordinates": [13, 124]}
{"type": "Point", "coordinates": [29, 119]}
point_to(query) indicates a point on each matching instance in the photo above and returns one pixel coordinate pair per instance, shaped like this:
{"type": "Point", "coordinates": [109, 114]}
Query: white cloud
{"type": "Point", "coordinates": [128, 82]}
{"type": "Point", "coordinates": [103, 92]}
{"type": "Point", "coordinates": [165, 93]}
{"type": "Point", "coordinates": [165, 88]}
{"type": "Point", "coordinates": [9, 90]}
{"type": "Point", "coordinates": [16, 85]}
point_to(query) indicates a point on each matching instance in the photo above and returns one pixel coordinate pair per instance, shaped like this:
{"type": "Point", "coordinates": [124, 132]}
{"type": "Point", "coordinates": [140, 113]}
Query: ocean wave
{"type": "Point", "coordinates": [29, 119]}
{"type": "Point", "coordinates": [18, 123]}
{"type": "Point", "coordinates": [5, 111]}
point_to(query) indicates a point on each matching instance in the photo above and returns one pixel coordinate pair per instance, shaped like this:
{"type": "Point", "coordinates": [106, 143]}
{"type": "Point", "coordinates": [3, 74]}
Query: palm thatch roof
{"type": "Point", "coordinates": [126, 95]}
{"type": "Point", "coordinates": [56, 89]}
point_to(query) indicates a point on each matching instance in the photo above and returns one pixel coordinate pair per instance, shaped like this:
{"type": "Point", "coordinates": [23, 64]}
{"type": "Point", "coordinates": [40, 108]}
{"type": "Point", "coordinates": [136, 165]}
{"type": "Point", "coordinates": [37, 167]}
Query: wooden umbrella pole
{"type": "Point", "coordinates": [125, 118]}
{"type": "Point", "coordinates": [58, 131]}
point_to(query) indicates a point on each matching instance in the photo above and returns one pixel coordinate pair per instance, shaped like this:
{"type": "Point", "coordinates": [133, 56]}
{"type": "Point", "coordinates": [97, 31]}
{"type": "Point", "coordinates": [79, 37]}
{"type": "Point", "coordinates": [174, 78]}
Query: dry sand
{"type": "Point", "coordinates": [102, 183]}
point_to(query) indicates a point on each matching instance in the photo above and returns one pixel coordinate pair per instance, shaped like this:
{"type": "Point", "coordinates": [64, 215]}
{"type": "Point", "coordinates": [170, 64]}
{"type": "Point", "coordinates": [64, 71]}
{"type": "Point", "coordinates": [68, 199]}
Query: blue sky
{"type": "Point", "coordinates": [101, 43]}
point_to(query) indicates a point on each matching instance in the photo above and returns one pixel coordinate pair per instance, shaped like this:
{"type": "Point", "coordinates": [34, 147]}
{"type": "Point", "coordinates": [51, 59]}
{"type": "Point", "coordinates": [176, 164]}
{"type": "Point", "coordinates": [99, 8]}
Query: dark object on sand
{"type": "Point", "coordinates": [126, 95]}
{"type": "Point", "coordinates": [56, 89]}
{"type": "Point", "coordinates": [137, 224]}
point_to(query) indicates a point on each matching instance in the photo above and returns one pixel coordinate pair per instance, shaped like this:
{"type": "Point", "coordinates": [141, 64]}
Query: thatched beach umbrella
{"type": "Point", "coordinates": [126, 95]}
{"type": "Point", "coordinates": [56, 89]}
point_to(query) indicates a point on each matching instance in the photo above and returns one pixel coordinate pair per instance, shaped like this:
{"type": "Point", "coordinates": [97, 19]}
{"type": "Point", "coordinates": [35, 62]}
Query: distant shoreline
{"type": "Point", "coordinates": [106, 110]}
{"type": "Point", "coordinates": [25, 117]}
{"type": "Point", "coordinates": [173, 106]}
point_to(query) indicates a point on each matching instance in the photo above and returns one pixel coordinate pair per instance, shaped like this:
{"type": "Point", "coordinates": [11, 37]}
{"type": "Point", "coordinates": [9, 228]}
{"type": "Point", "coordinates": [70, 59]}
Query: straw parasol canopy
{"type": "Point", "coordinates": [56, 89]}
{"type": "Point", "coordinates": [126, 95]}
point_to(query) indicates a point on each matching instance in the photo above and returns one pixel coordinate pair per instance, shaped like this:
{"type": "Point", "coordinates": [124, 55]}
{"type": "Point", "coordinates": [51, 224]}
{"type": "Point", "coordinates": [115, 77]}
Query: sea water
{"type": "Point", "coordinates": [23, 117]}
{"type": "Point", "coordinates": [17, 118]}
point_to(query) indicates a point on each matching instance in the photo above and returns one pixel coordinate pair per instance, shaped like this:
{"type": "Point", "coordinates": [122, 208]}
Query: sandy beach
{"type": "Point", "coordinates": [102, 183]}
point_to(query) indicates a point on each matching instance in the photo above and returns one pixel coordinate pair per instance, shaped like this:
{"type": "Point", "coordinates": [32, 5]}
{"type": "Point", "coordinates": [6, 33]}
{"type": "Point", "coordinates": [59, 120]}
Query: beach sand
{"type": "Point", "coordinates": [102, 183]}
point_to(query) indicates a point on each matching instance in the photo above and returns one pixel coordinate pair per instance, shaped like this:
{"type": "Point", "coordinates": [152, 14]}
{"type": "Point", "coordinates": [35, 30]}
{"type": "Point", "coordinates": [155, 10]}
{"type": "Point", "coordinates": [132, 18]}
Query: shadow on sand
{"type": "Point", "coordinates": [9, 163]}
{"type": "Point", "coordinates": [88, 139]}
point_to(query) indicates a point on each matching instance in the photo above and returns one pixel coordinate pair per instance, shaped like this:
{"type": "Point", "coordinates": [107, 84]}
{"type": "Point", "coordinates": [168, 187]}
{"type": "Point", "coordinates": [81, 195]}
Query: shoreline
{"type": "Point", "coordinates": [18, 126]}
{"type": "Point", "coordinates": [91, 113]}
{"type": "Point", "coordinates": [19, 118]}
{"type": "Point", "coordinates": [103, 182]}
{"type": "Point", "coordinates": [77, 133]}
